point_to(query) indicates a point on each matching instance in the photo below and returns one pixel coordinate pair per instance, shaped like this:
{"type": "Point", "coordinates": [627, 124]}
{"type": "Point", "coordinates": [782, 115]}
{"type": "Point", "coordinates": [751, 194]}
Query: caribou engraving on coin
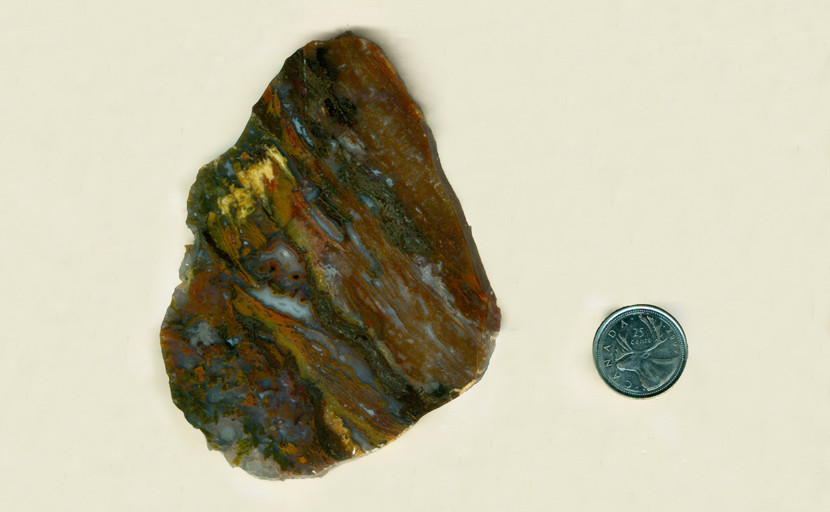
{"type": "Point", "coordinates": [640, 351]}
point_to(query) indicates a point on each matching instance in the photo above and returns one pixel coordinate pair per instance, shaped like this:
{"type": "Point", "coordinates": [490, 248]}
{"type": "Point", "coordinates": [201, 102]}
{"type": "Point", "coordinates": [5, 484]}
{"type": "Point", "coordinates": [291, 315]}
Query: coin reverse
{"type": "Point", "coordinates": [640, 351]}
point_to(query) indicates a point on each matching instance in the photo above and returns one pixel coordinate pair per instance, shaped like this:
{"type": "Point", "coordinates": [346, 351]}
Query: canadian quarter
{"type": "Point", "coordinates": [640, 351]}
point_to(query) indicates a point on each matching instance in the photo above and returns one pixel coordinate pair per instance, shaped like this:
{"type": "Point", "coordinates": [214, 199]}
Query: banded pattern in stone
{"type": "Point", "coordinates": [333, 294]}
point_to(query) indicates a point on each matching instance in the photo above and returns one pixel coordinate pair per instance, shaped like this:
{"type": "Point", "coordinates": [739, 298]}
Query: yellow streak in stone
{"type": "Point", "coordinates": [335, 424]}
{"type": "Point", "coordinates": [253, 178]}
{"type": "Point", "coordinates": [241, 199]}
{"type": "Point", "coordinates": [281, 161]}
{"type": "Point", "coordinates": [253, 181]}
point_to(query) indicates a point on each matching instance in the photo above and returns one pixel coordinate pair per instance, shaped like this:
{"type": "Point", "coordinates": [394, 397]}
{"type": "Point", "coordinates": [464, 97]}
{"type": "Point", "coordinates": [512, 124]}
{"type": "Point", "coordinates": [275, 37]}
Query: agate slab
{"type": "Point", "coordinates": [333, 294]}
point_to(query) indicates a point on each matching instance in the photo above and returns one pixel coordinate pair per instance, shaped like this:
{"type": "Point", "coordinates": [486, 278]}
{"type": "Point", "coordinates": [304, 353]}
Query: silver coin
{"type": "Point", "coordinates": [640, 351]}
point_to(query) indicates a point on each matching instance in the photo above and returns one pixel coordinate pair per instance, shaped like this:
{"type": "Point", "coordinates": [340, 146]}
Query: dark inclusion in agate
{"type": "Point", "coordinates": [333, 294]}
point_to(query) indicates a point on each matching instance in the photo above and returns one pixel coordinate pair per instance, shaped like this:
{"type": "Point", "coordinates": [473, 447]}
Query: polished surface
{"type": "Point", "coordinates": [333, 294]}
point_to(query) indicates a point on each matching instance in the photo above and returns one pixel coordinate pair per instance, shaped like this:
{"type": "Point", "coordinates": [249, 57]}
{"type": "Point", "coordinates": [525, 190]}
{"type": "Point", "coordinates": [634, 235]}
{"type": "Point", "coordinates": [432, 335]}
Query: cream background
{"type": "Point", "coordinates": [605, 153]}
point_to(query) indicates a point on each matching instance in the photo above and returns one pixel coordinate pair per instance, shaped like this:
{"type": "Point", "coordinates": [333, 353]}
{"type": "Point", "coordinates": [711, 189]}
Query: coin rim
{"type": "Point", "coordinates": [613, 316]}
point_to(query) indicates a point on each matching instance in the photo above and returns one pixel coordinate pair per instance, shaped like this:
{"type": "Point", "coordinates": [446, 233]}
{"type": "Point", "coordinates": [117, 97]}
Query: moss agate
{"type": "Point", "coordinates": [333, 294]}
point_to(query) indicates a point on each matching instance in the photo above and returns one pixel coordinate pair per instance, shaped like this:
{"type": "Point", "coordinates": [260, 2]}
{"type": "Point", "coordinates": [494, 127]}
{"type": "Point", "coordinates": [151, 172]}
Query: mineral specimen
{"type": "Point", "coordinates": [333, 294]}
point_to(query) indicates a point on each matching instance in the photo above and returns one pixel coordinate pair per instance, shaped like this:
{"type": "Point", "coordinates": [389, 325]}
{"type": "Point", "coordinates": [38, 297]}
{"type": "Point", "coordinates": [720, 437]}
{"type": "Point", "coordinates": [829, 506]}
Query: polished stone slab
{"type": "Point", "coordinates": [333, 294]}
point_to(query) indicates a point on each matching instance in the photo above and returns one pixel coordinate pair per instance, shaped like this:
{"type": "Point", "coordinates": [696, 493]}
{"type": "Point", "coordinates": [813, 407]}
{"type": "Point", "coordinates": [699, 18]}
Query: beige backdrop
{"type": "Point", "coordinates": [606, 153]}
